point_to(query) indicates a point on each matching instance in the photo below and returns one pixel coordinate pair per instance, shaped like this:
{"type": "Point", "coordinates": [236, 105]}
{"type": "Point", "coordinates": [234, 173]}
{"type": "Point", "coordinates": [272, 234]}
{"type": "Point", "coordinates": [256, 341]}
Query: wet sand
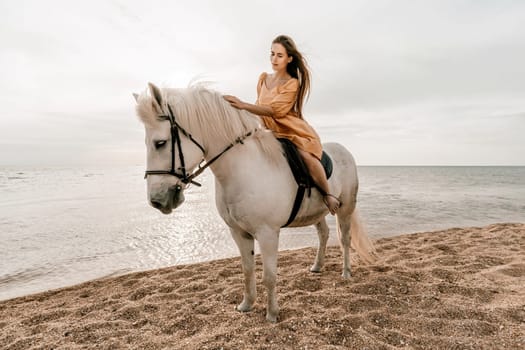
{"type": "Point", "coordinates": [461, 288]}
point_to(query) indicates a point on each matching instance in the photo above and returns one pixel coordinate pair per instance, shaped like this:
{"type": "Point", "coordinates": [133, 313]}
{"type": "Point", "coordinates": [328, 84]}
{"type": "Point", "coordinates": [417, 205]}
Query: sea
{"type": "Point", "coordinates": [63, 226]}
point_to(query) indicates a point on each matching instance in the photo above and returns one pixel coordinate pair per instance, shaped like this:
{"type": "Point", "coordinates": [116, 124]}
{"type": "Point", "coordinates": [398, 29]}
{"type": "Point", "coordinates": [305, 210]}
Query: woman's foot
{"type": "Point", "coordinates": [332, 202]}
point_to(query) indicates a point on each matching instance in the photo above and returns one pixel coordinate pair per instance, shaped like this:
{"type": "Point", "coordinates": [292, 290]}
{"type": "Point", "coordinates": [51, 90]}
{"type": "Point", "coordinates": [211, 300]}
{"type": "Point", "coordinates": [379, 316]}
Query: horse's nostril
{"type": "Point", "coordinates": [156, 205]}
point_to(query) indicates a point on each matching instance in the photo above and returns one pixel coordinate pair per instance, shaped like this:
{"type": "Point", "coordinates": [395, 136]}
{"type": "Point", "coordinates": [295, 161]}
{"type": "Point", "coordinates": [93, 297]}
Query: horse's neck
{"type": "Point", "coordinates": [228, 165]}
{"type": "Point", "coordinates": [243, 163]}
{"type": "Point", "coordinates": [245, 157]}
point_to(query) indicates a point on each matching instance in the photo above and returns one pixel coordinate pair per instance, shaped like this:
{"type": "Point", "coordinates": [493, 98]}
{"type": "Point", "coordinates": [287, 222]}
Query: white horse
{"type": "Point", "coordinates": [254, 186]}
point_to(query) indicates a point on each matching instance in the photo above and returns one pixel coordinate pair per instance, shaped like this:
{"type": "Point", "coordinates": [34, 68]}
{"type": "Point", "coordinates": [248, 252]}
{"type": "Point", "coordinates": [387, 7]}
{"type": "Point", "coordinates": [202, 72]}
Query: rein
{"type": "Point", "coordinates": [185, 177]}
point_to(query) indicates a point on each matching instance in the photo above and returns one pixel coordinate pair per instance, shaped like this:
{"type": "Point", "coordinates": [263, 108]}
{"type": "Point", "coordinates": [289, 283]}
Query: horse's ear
{"type": "Point", "coordinates": [157, 97]}
{"type": "Point", "coordinates": [136, 96]}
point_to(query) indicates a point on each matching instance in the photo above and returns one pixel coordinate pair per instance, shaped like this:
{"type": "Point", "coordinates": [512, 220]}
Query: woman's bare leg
{"type": "Point", "coordinates": [318, 175]}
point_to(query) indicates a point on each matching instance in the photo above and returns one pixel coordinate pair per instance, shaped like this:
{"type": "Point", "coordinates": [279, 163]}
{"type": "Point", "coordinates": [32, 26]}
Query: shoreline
{"type": "Point", "coordinates": [459, 287]}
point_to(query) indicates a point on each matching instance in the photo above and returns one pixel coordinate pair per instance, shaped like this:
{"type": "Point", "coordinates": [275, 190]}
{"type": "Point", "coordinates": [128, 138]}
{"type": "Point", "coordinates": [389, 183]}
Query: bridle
{"type": "Point", "coordinates": [185, 177]}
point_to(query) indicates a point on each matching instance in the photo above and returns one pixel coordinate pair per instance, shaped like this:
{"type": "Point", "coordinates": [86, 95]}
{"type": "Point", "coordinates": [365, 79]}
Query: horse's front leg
{"type": "Point", "coordinates": [269, 243]}
{"type": "Point", "coordinates": [245, 243]}
{"type": "Point", "coordinates": [323, 232]}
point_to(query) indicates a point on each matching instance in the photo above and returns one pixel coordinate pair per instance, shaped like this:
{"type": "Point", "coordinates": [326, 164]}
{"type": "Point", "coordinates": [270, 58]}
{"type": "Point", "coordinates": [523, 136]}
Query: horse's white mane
{"type": "Point", "coordinates": [205, 110]}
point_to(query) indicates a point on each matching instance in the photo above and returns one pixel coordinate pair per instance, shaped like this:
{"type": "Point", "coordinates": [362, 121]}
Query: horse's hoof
{"type": "Point", "coordinates": [346, 274]}
{"type": "Point", "coordinates": [315, 269]}
{"type": "Point", "coordinates": [244, 307]}
{"type": "Point", "coordinates": [271, 318]}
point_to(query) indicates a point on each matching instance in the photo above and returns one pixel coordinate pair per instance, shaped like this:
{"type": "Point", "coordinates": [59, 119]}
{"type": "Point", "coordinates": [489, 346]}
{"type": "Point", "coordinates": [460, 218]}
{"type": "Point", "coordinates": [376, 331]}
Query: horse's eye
{"type": "Point", "coordinates": [160, 144]}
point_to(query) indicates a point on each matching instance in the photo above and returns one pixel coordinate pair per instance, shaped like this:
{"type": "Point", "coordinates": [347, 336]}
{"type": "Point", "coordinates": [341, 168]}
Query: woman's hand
{"type": "Point", "coordinates": [234, 101]}
{"type": "Point", "coordinates": [255, 109]}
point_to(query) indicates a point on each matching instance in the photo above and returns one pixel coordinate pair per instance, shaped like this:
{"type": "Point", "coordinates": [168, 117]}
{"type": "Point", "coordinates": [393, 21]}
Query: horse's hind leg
{"type": "Point", "coordinates": [245, 243]}
{"type": "Point", "coordinates": [343, 232]}
{"type": "Point", "coordinates": [323, 232]}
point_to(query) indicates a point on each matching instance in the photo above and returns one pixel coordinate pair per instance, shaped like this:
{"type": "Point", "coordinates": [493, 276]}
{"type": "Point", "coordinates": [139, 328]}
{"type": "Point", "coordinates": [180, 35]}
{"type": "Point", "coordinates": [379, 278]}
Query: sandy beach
{"type": "Point", "coordinates": [460, 288]}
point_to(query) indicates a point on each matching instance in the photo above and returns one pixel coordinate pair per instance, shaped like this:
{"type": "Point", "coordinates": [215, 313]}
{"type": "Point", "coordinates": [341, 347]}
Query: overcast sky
{"type": "Point", "coordinates": [397, 82]}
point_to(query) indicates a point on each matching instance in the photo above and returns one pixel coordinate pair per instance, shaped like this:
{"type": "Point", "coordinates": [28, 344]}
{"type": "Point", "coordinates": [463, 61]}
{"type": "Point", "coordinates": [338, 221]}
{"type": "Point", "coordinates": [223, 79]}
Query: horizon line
{"type": "Point", "coordinates": [370, 165]}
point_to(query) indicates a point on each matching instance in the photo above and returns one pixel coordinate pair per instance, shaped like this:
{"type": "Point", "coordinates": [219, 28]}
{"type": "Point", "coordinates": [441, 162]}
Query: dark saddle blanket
{"type": "Point", "coordinates": [299, 170]}
{"type": "Point", "coordinates": [301, 174]}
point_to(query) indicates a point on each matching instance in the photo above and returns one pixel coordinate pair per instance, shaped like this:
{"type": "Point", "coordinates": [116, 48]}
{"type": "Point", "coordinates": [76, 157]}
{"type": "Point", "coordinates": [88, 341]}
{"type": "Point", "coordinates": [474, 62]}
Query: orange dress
{"type": "Point", "coordinates": [285, 121]}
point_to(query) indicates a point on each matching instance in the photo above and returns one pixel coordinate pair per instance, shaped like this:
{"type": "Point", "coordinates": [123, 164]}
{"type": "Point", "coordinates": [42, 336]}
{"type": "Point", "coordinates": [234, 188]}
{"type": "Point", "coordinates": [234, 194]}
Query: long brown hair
{"type": "Point", "coordinates": [297, 68]}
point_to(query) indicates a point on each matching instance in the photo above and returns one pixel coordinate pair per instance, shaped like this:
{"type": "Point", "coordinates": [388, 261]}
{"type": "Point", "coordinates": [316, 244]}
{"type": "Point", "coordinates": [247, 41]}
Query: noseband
{"type": "Point", "coordinates": [185, 177]}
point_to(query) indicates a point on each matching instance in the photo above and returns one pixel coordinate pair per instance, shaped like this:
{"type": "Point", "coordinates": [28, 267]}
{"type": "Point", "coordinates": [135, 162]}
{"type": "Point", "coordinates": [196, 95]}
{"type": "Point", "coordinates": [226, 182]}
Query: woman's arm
{"type": "Point", "coordinates": [255, 109]}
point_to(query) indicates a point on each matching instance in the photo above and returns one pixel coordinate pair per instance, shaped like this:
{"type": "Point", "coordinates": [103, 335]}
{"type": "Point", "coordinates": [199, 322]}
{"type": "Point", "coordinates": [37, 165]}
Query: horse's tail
{"type": "Point", "coordinates": [360, 241]}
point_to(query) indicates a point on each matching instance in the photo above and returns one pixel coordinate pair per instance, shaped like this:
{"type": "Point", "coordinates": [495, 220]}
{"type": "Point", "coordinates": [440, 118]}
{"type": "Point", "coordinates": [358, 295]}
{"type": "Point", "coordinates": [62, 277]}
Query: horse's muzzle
{"type": "Point", "coordinates": [168, 200]}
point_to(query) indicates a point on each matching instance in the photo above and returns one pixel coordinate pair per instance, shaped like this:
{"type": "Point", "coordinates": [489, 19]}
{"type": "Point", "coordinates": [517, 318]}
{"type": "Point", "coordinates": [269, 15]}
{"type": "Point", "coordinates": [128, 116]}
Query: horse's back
{"type": "Point", "coordinates": [343, 160]}
{"type": "Point", "coordinates": [338, 151]}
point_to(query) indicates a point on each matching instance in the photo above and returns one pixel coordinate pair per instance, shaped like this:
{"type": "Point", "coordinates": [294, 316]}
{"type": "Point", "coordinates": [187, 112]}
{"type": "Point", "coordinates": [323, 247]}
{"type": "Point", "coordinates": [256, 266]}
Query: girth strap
{"type": "Point", "coordinates": [296, 204]}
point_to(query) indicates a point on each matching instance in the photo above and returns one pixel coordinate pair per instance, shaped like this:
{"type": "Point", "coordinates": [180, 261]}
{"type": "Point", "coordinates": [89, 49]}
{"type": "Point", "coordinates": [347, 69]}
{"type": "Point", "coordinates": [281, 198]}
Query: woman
{"type": "Point", "coordinates": [280, 98]}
